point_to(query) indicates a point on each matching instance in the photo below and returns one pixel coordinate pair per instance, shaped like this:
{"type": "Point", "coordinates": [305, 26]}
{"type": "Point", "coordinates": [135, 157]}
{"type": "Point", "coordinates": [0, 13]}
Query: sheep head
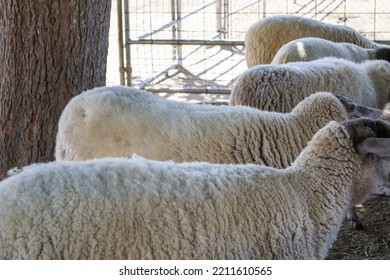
{"type": "Point", "coordinates": [372, 141]}
{"type": "Point", "coordinates": [356, 111]}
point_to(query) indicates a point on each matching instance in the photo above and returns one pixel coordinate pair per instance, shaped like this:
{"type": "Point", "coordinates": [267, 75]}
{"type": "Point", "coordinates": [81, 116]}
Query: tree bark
{"type": "Point", "coordinates": [50, 51]}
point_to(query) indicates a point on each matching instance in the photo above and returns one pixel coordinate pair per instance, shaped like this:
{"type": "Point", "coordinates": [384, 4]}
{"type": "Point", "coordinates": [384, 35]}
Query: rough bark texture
{"type": "Point", "coordinates": [49, 52]}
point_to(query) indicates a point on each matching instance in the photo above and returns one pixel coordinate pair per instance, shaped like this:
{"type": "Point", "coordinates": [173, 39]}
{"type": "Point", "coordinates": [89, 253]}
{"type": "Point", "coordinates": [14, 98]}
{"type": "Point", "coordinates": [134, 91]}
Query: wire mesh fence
{"type": "Point", "coordinates": [197, 46]}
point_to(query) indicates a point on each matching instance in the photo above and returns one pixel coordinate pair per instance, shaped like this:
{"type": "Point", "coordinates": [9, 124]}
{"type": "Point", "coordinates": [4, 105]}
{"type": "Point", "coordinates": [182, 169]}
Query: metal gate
{"type": "Point", "coordinates": [196, 46]}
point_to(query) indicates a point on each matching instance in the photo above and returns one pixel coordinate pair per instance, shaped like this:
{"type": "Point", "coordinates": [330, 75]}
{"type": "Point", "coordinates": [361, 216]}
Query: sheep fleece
{"type": "Point", "coordinates": [265, 37]}
{"type": "Point", "coordinates": [120, 121]}
{"type": "Point", "coordinates": [139, 209]}
{"type": "Point", "coordinates": [307, 49]}
{"type": "Point", "coordinates": [281, 87]}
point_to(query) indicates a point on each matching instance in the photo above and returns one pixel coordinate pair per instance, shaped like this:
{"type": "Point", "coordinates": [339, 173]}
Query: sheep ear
{"type": "Point", "coordinates": [376, 146]}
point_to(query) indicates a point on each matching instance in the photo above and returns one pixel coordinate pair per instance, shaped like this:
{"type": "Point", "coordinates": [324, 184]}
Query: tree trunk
{"type": "Point", "coordinates": [50, 51]}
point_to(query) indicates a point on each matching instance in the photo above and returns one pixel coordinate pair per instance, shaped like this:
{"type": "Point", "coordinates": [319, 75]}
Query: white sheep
{"type": "Point", "coordinates": [311, 48]}
{"type": "Point", "coordinates": [265, 37]}
{"type": "Point", "coordinates": [144, 209]}
{"type": "Point", "coordinates": [121, 121]}
{"type": "Point", "coordinates": [281, 87]}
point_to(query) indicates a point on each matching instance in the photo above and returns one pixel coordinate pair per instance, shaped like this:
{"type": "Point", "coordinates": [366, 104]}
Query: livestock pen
{"type": "Point", "coordinates": [207, 56]}
{"type": "Point", "coordinates": [197, 46]}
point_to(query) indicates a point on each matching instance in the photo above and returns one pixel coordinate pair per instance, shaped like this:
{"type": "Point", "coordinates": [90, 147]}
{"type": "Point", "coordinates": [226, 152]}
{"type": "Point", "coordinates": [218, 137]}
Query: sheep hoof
{"type": "Point", "coordinates": [357, 225]}
{"type": "Point", "coordinates": [354, 219]}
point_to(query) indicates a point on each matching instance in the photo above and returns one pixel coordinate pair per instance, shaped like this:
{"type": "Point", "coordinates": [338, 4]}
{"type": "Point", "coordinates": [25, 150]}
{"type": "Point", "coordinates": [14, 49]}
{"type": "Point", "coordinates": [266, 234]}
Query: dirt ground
{"type": "Point", "coordinates": [371, 243]}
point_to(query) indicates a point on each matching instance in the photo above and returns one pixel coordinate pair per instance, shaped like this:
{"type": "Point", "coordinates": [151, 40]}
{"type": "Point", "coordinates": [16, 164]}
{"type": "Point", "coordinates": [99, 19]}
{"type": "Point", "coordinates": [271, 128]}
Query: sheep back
{"type": "Point", "coordinates": [265, 37]}
{"type": "Point", "coordinates": [311, 48]}
{"type": "Point", "coordinates": [280, 87]}
{"type": "Point", "coordinates": [121, 121]}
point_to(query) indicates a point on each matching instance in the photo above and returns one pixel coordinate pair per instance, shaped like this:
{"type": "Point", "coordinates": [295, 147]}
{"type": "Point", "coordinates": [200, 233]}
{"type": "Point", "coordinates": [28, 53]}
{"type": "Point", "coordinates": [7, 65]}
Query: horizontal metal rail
{"type": "Point", "coordinates": [186, 42]}
{"type": "Point", "coordinates": [205, 90]}
{"type": "Point", "coordinates": [175, 64]}
{"type": "Point", "coordinates": [202, 42]}
{"type": "Point", "coordinates": [385, 42]}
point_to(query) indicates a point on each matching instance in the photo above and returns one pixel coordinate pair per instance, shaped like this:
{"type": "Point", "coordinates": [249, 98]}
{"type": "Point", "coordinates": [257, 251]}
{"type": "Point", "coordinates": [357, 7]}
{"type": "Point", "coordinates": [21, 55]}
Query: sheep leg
{"type": "Point", "coordinates": [354, 219]}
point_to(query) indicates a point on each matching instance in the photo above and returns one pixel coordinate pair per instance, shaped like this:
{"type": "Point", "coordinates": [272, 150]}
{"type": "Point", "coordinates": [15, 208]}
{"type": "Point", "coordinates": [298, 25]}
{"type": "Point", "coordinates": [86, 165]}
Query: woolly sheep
{"type": "Point", "coordinates": [281, 87]}
{"type": "Point", "coordinates": [310, 48]}
{"type": "Point", "coordinates": [144, 209]}
{"type": "Point", "coordinates": [121, 121]}
{"type": "Point", "coordinates": [265, 37]}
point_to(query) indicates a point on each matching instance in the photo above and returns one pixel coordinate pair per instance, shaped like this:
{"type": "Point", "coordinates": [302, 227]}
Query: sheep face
{"type": "Point", "coordinates": [356, 111]}
{"type": "Point", "coordinates": [383, 164]}
{"type": "Point", "coordinates": [373, 147]}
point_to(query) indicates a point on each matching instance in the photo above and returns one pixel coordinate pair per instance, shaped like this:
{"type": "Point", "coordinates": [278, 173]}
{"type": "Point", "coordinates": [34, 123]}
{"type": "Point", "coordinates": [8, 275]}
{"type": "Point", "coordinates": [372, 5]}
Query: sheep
{"type": "Point", "coordinates": [265, 37]}
{"type": "Point", "coordinates": [121, 121]}
{"type": "Point", "coordinates": [119, 208]}
{"type": "Point", "coordinates": [281, 87]}
{"type": "Point", "coordinates": [311, 48]}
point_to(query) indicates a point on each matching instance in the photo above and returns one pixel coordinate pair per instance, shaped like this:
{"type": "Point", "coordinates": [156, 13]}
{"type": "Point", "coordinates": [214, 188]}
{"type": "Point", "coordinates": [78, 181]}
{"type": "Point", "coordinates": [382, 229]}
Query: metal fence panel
{"type": "Point", "coordinates": [197, 46]}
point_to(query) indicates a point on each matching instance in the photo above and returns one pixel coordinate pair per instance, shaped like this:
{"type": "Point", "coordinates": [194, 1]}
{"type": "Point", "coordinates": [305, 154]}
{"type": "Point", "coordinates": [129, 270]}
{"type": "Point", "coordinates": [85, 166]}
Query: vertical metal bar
{"type": "Point", "coordinates": [179, 30]}
{"type": "Point", "coordinates": [128, 68]}
{"type": "Point", "coordinates": [375, 13]}
{"type": "Point", "coordinates": [219, 18]}
{"type": "Point", "coordinates": [174, 29]}
{"type": "Point", "coordinates": [264, 8]}
{"type": "Point", "coordinates": [345, 12]}
{"type": "Point", "coordinates": [287, 7]}
{"type": "Point", "coordinates": [120, 43]}
{"type": "Point", "coordinates": [225, 18]}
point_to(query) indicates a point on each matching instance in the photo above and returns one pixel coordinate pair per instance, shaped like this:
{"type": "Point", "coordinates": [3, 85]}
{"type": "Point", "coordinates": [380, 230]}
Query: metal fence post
{"type": "Point", "coordinates": [218, 8]}
{"type": "Point", "coordinates": [120, 43]}
{"type": "Point", "coordinates": [179, 30]}
{"type": "Point", "coordinates": [127, 39]}
{"type": "Point", "coordinates": [174, 29]}
{"type": "Point", "coordinates": [225, 19]}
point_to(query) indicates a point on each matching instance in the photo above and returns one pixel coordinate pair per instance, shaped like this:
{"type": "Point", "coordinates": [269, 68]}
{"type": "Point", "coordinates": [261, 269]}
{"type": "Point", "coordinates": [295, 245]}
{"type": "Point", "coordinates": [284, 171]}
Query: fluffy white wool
{"type": "Point", "coordinates": [265, 37]}
{"type": "Point", "coordinates": [281, 87]}
{"type": "Point", "coordinates": [144, 209]}
{"type": "Point", "coordinates": [121, 121]}
{"type": "Point", "coordinates": [311, 48]}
